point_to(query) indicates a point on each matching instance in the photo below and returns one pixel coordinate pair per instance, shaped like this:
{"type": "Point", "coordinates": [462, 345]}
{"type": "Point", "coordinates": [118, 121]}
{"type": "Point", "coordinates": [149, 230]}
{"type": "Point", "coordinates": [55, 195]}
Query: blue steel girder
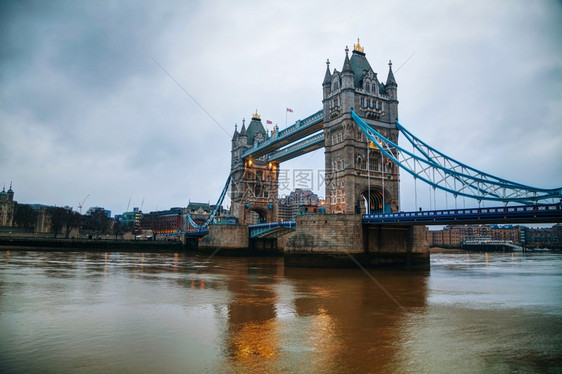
{"type": "Point", "coordinates": [447, 174]}
{"type": "Point", "coordinates": [211, 217]}
{"type": "Point", "coordinates": [297, 149]}
{"type": "Point", "coordinates": [299, 130]}
{"type": "Point", "coordinates": [272, 229]}
{"type": "Point", "coordinates": [540, 213]}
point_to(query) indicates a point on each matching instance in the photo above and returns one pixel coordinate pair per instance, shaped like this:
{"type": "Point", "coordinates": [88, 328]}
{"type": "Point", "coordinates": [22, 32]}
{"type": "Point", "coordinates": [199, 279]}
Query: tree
{"type": "Point", "coordinates": [97, 221]}
{"type": "Point", "coordinates": [63, 217]}
{"type": "Point", "coordinates": [58, 218]}
{"type": "Point", "coordinates": [73, 220]}
{"type": "Point", "coordinates": [25, 216]}
{"type": "Point", "coordinates": [117, 228]}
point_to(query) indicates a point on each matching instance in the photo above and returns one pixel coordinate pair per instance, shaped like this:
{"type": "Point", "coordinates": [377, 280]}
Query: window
{"type": "Point", "coordinates": [362, 101]}
{"type": "Point", "coordinates": [368, 87]}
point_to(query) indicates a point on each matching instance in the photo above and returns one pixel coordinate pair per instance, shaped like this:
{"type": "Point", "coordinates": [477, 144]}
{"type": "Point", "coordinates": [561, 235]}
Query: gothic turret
{"type": "Point", "coordinates": [10, 193]}
{"type": "Point", "coordinates": [256, 131]}
{"type": "Point", "coordinates": [347, 85]}
{"type": "Point", "coordinates": [236, 133]}
{"type": "Point", "coordinates": [327, 80]}
{"type": "Point", "coordinates": [391, 91]}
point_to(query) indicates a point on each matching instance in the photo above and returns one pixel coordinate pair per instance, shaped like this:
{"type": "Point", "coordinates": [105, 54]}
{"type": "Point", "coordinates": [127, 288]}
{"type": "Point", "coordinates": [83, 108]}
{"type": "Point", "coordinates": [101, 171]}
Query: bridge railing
{"type": "Point", "coordinates": [273, 224]}
{"type": "Point", "coordinates": [554, 210]}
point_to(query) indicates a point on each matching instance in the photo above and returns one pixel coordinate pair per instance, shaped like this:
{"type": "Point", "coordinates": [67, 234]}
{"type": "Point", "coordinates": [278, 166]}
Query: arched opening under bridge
{"type": "Point", "coordinates": [372, 201]}
{"type": "Point", "coordinates": [256, 216]}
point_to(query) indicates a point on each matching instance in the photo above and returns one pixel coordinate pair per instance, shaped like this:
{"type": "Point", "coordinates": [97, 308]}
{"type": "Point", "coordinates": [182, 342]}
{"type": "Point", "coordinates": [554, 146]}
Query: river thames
{"type": "Point", "coordinates": [90, 312]}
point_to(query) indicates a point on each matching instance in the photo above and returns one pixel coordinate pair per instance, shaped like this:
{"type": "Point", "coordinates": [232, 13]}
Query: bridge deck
{"type": "Point", "coordinates": [550, 213]}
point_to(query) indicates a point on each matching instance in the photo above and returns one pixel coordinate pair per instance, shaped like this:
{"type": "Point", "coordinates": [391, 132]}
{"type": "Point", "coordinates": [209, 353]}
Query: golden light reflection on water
{"type": "Point", "coordinates": [254, 340]}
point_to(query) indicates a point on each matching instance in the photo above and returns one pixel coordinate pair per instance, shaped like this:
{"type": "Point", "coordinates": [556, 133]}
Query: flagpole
{"type": "Point", "coordinates": [286, 111]}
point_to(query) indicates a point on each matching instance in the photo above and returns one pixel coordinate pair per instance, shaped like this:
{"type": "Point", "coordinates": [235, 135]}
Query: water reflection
{"type": "Point", "coordinates": [150, 312]}
{"type": "Point", "coordinates": [252, 336]}
{"type": "Point", "coordinates": [352, 324]}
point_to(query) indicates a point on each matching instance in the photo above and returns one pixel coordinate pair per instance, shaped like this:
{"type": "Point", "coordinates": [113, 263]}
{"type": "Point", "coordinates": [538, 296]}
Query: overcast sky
{"type": "Point", "coordinates": [89, 103]}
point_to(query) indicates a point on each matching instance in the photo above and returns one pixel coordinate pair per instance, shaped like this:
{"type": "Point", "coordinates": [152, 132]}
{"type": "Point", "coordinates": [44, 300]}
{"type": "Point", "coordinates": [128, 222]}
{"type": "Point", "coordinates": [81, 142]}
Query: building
{"type": "Point", "coordinates": [163, 222]}
{"type": "Point", "coordinates": [359, 177]}
{"type": "Point", "coordinates": [254, 187]}
{"type": "Point", "coordinates": [7, 207]}
{"type": "Point", "coordinates": [543, 237]}
{"type": "Point", "coordinates": [132, 219]}
{"type": "Point", "coordinates": [298, 202]}
{"type": "Point", "coordinates": [452, 236]}
{"type": "Point", "coordinates": [199, 212]}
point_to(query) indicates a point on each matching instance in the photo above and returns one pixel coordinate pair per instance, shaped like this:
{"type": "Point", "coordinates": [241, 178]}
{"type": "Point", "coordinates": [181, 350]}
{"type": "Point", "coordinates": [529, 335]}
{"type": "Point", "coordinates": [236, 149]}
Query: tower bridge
{"type": "Point", "coordinates": [358, 128]}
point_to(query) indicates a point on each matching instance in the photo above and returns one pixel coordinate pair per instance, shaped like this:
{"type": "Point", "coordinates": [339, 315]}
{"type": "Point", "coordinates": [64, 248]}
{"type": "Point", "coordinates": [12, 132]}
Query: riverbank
{"type": "Point", "coordinates": [44, 244]}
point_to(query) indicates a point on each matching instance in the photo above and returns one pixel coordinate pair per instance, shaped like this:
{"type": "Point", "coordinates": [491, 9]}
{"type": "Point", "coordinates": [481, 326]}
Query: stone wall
{"type": "Point", "coordinates": [327, 233]}
{"type": "Point", "coordinates": [227, 237]}
{"type": "Point", "coordinates": [341, 240]}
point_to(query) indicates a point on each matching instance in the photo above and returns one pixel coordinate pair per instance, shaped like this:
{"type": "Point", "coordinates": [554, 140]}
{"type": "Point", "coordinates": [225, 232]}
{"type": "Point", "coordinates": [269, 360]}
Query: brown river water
{"type": "Point", "coordinates": [88, 312]}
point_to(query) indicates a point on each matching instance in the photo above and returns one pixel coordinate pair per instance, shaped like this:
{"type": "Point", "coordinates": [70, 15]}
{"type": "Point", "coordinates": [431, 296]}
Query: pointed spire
{"type": "Point", "coordinates": [235, 135]}
{"type": "Point", "coordinates": [346, 64]}
{"type": "Point", "coordinates": [390, 79]}
{"type": "Point", "coordinates": [243, 129]}
{"type": "Point", "coordinates": [327, 76]}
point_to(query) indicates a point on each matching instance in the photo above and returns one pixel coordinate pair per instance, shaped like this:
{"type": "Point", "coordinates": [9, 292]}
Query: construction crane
{"type": "Point", "coordinates": [80, 205]}
{"type": "Point", "coordinates": [128, 205]}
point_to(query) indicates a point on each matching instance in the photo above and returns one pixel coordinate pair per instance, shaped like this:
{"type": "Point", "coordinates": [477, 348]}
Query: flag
{"type": "Point", "coordinates": [289, 110]}
{"type": "Point", "coordinates": [269, 122]}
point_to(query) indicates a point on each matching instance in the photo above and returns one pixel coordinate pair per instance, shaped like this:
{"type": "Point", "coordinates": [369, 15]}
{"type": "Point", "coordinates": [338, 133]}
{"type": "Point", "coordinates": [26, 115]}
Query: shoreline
{"type": "Point", "coordinates": [43, 244]}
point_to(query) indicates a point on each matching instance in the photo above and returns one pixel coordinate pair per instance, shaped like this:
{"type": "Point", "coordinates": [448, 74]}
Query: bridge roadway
{"type": "Point", "coordinates": [541, 213]}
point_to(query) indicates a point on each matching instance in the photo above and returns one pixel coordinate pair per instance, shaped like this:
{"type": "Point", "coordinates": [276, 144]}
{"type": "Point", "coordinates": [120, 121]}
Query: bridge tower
{"type": "Point", "coordinates": [254, 181]}
{"type": "Point", "coordinates": [358, 177]}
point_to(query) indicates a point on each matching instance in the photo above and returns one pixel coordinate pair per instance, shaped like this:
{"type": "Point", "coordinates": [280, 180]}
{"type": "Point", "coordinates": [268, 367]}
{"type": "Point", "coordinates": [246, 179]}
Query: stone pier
{"type": "Point", "coordinates": [227, 239]}
{"type": "Point", "coordinates": [234, 240]}
{"type": "Point", "coordinates": [339, 240]}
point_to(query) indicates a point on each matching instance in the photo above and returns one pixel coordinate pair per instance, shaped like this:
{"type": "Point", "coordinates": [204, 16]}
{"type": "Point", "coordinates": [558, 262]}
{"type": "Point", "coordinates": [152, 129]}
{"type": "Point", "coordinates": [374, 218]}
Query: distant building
{"type": "Point", "coordinates": [7, 207]}
{"type": "Point", "coordinates": [453, 236]}
{"type": "Point", "coordinates": [199, 212]}
{"type": "Point", "coordinates": [132, 219]}
{"type": "Point", "coordinates": [543, 237]}
{"type": "Point", "coordinates": [163, 222]}
{"type": "Point", "coordinates": [299, 201]}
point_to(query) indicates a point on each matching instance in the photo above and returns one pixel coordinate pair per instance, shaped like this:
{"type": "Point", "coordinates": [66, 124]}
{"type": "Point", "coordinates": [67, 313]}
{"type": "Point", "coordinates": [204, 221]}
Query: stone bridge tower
{"type": "Point", "coordinates": [254, 185]}
{"type": "Point", "coordinates": [358, 177]}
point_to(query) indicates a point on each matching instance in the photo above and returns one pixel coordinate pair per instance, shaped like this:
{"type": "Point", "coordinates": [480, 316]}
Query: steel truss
{"type": "Point", "coordinates": [445, 173]}
{"type": "Point", "coordinates": [211, 217]}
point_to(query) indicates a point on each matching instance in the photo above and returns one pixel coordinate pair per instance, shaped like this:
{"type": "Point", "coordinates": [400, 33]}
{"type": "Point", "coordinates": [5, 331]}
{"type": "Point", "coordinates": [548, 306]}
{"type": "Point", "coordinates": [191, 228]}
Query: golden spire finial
{"type": "Point", "coordinates": [256, 115]}
{"type": "Point", "coordinates": [358, 48]}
